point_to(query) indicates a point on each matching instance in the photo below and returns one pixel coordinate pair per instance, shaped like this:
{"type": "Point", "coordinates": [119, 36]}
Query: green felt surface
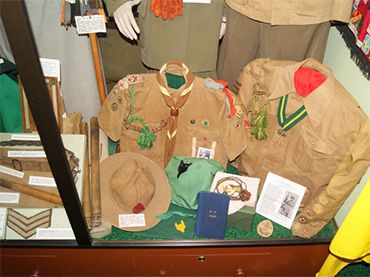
{"type": "Point", "coordinates": [165, 229]}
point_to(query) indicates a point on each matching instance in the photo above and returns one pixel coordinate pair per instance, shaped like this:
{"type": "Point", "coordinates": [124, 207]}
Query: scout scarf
{"type": "Point", "coordinates": [306, 80]}
{"type": "Point", "coordinates": [174, 106]}
{"type": "Point", "coordinates": [166, 8]}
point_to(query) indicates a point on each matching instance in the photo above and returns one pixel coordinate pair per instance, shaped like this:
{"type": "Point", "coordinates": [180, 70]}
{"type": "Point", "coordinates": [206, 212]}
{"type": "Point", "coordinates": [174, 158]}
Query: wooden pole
{"type": "Point", "coordinates": [98, 66]}
{"type": "Point", "coordinates": [26, 189]}
{"type": "Point", "coordinates": [86, 202]}
{"type": "Point", "coordinates": [95, 176]}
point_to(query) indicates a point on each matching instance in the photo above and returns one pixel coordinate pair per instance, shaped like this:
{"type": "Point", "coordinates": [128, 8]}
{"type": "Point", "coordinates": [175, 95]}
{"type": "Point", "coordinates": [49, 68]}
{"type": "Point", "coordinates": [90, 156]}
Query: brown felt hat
{"type": "Point", "coordinates": [129, 180]}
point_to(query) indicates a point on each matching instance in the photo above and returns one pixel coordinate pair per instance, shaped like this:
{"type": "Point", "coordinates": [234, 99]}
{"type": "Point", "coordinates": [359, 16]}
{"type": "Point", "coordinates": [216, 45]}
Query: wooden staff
{"type": "Point", "coordinates": [86, 204]}
{"type": "Point", "coordinates": [95, 176]}
{"type": "Point", "coordinates": [97, 65]}
{"type": "Point", "coordinates": [26, 189]}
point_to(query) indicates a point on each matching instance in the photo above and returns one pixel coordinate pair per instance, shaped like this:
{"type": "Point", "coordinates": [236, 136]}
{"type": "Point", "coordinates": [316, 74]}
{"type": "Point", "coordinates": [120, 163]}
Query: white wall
{"type": "Point", "coordinates": [338, 58]}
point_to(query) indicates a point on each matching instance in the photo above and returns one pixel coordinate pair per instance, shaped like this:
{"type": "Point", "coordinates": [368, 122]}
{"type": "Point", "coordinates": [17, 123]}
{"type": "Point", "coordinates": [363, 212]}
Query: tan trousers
{"type": "Point", "coordinates": [246, 39]}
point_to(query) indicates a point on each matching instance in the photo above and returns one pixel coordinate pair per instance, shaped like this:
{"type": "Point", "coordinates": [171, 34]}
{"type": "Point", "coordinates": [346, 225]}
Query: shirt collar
{"type": "Point", "coordinates": [176, 67]}
{"type": "Point", "coordinates": [317, 101]}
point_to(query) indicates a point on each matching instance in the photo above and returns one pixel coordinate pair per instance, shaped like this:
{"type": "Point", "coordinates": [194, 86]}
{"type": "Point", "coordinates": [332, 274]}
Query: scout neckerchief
{"type": "Point", "coordinates": [174, 106]}
{"type": "Point", "coordinates": [166, 8]}
{"type": "Point", "coordinates": [306, 80]}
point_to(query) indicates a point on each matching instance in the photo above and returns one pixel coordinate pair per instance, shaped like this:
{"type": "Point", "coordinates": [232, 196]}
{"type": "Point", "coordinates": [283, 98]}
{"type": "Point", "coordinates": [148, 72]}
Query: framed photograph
{"type": "Point", "coordinates": [56, 100]}
{"type": "Point", "coordinates": [204, 153]}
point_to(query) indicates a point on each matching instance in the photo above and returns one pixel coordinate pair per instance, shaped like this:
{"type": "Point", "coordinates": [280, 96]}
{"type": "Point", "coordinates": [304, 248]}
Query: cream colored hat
{"type": "Point", "coordinates": [129, 180]}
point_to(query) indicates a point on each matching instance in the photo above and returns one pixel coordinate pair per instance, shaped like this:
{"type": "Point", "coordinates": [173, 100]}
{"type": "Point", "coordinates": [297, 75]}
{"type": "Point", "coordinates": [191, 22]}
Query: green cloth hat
{"type": "Point", "coordinates": [188, 176]}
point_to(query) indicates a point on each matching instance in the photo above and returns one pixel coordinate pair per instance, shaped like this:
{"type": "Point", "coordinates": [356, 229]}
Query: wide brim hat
{"type": "Point", "coordinates": [111, 209]}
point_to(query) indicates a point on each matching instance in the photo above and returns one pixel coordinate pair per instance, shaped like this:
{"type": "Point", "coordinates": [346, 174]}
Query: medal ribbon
{"type": "Point", "coordinates": [289, 122]}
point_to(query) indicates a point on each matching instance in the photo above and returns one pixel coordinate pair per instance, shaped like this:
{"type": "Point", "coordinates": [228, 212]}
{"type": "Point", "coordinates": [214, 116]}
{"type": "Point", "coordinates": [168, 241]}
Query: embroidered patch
{"type": "Point", "coordinates": [323, 199]}
{"type": "Point", "coordinates": [132, 79]}
{"type": "Point", "coordinates": [114, 106]}
{"type": "Point", "coordinates": [192, 121]}
{"type": "Point", "coordinates": [120, 99]}
{"type": "Point", "coordinates": [180, 226]}
{"type": "Point", "coordinates": [317, 208]}
{"type": "Point", "coordinates": [302, 220]}
{"type": "Point", "coordinates": [265, 228]}
{"type": "Point", "coordinates": [246, 123]}
{"type": "Point", "coordinates": [240, 110]}
{"type": "Point", "coordinates": [27, 226]}
{"type": "Point", "coordinates": [228, 116]}
{"type": "Point", "coordinates": [237, 125]}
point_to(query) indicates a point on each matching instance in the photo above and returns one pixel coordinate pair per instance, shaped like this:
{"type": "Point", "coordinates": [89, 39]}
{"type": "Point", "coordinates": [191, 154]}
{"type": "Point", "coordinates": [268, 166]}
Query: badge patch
{"type": "Point", "coordinates": [114, 106]}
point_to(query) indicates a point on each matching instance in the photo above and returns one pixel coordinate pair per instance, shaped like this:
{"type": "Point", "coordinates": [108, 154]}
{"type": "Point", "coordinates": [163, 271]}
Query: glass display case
{"type": "Point", "coordinates": [62, 242]}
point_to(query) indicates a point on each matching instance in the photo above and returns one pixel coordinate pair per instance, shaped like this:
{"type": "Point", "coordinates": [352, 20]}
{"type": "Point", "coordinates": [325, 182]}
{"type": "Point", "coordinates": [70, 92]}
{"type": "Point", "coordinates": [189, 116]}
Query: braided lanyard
{"type": "Point", "coordinates": [146, 137]}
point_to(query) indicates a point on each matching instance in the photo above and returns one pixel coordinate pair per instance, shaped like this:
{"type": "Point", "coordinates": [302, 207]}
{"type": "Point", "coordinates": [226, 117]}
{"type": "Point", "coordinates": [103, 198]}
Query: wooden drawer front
{"type": "Point", "coordinates": [30, 265]}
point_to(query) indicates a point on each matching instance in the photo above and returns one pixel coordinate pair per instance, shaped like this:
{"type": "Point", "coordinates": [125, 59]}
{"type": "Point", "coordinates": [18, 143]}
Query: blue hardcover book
{"type": "Point", "coordinates": [212, 214]}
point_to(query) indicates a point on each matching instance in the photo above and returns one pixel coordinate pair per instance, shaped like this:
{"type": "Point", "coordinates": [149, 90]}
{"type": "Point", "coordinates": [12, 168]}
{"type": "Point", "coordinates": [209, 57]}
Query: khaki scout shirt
{"type": "Point", "coordinates": [203, 121]}
{"type": "Point", "coordinates": [293, 12]}
{"type": "Point", "coordinates": [327, 152]}
{"type": "Point", "coordinates": [192, 38]}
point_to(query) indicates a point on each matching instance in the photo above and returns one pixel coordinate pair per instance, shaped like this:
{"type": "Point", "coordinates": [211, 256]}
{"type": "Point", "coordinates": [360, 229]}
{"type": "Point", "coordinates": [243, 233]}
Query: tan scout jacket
{"type": "Point", "coordinates": [192, 38]}
{"type": "Point", "coordinates": [293, 12]}
{"type": "Point", "coordinates": [203, 121]}
{"type": "Point", "coordinates": [327, 152]}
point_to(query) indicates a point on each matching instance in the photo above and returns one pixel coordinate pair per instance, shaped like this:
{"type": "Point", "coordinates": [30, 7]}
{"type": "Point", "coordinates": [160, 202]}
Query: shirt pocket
{"type": "Point", "coordinates": [205, 144]}
{"type": "Point", "coordinates": [314, 8]}
{"type": "Point", "coordinates": [313, 152]}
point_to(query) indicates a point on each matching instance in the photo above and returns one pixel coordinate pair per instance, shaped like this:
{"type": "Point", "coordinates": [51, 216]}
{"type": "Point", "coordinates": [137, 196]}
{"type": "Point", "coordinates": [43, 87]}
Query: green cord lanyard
{"type": "Point", "coordinates": [146, 138]}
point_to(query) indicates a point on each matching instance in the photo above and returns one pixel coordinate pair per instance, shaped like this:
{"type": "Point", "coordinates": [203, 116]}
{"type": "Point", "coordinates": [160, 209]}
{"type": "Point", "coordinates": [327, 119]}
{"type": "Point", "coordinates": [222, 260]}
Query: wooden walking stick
{"type": "Point", "coordinates": [28, 190]}
{"type": "Point", "coordinates": [86, 203]}
{"type": "Point", "coordinates": [97, 66]}
{"type": "Point", "coordinates": [95, 176]}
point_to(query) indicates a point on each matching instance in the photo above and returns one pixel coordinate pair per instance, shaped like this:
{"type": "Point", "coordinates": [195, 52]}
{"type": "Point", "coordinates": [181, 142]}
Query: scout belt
{"type": "Point", "coordinates": [35, 164]}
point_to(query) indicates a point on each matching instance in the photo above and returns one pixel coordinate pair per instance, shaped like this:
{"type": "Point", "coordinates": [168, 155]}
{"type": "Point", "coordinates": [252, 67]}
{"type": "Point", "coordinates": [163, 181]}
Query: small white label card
{"type": "Point", "coordinates": [197, 1]}
{"type": "Point", "coordinates": [10, 171]}
{"type": "Point", "coordinates": [131, 220]}
{"type": "Point", "coordinates": [280, 199]}
{"type": "Point", "coordinates": [2, 222]}
{"type": "Point", "coordinates": [50, 67]}
{"type": "Point", "coordinates": [42, 181]}
{"type": "Point", "coordinates": [90, 24]}
{"type": "Point", "coordinates": [26, 154]}
{"type": "Point", "coordinates": [25, 137]}
{"type": "Point", "coordinates": [9, 197]}
{"type": "Point", "coordinates": [54, 233]}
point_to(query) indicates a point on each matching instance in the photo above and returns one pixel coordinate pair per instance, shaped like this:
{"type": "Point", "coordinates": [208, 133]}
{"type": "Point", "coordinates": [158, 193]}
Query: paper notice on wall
{"type": "Point", "coordinates": [12, 172]}
{"type": "Point", "coordinates": [42, 181]}
{"type": "Point", "coordinates": [26, 154]}
{"type": "Point", "coordinates": [90, 24]}
{"type": "Point", "coordinates": [50, 67]}
{"type": "Point", "coordinates": [280, 199]}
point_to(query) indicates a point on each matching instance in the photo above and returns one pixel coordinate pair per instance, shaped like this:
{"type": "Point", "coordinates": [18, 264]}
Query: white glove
{"type": "Point", "coordinates": [223, 27]}
{"type": "Point", "coordinates": [125, 20]}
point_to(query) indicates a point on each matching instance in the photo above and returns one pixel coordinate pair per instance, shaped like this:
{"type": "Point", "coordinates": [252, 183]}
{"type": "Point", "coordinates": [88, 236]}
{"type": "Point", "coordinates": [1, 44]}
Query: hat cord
{"type": "Point", "coordinates": [241, 190]}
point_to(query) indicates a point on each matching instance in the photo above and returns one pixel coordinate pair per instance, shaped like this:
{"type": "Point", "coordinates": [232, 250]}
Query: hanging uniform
{"type": "Point", "coordinates": [195, 119]}
{"type": "Point", "coordinates": [192, 38]}
{"type": "Point", "coordinates": [306, 128]}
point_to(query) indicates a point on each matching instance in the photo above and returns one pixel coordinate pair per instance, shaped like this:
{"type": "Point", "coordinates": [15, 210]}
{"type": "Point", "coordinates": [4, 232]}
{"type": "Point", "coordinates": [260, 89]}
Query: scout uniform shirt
{"type": "Point", "coordinates": [293, 12]}
{"type": "Point", "coordinates": [319, 140]}
{"type": "Point", "coordinates": [158, 121]}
